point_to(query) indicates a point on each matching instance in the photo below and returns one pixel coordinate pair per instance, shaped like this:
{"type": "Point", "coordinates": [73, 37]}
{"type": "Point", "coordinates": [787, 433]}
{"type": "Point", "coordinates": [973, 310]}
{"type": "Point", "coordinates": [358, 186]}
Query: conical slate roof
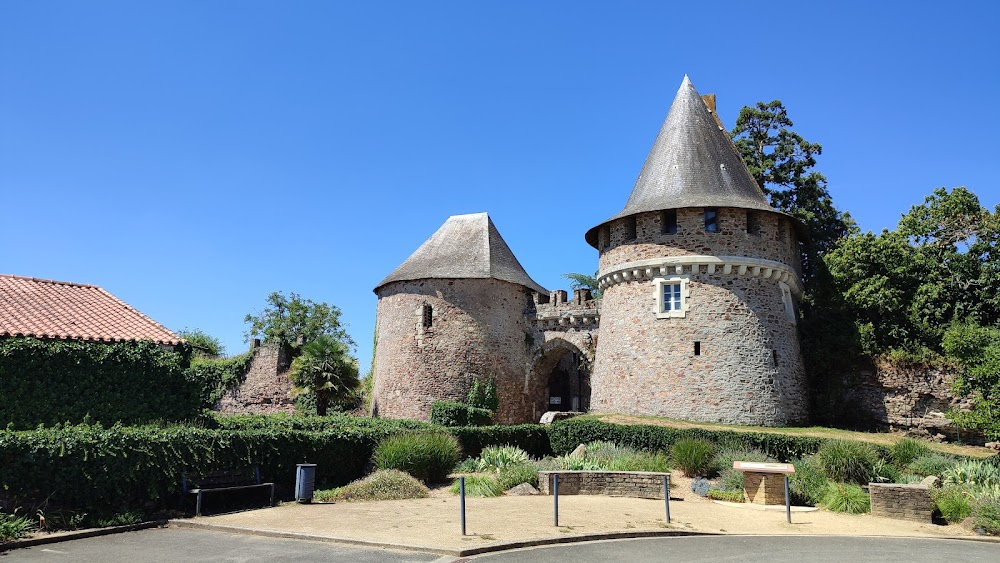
{"type": "Point", "coordinates": [693, 163]}
{"type": "Point", "coordinates": [466, 246]}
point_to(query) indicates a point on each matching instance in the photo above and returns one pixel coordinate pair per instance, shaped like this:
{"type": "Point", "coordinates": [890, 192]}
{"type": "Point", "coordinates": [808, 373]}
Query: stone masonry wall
{"type": "Point", "coordinates": [776, 241]}
{"type": "Point", "coordinates": [749, 369]}
{"type": "Point", "coordinates": [266, 388]}
{"type": "Point", "coordinates": [637, 484]}
{"type": "Point", "coordinates": [903, 502]}
{"type": "Point", "coordinates": [480, 328]}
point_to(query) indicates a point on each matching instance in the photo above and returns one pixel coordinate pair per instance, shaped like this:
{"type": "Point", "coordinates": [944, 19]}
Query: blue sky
{"type": "Point", "coordinates": [191, 157]}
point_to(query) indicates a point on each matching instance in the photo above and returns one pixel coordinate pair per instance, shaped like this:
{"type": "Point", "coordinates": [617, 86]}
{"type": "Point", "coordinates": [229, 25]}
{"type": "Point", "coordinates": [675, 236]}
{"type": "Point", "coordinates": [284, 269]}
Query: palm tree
{"type": "Point", "coordinates": [326, 369]}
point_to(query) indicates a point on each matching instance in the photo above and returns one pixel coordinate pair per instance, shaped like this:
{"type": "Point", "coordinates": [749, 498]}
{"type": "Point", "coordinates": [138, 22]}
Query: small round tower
{"type": "Point", "coordinates": [700, 278]}
{"type": "Point", "coordinates": [453, 312]}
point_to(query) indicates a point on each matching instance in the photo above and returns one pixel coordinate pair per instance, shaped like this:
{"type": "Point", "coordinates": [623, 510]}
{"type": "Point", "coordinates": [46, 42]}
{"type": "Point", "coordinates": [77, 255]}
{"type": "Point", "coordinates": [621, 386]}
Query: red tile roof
{"type": "Point", "coordinates": [64, 310]}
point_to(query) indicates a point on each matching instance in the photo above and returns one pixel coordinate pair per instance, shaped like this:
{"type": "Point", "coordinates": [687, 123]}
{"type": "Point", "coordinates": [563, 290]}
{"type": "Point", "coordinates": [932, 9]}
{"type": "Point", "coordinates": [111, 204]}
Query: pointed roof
{"type": "Point", "coordinates": [693, 163]}
{"type": "Point", "coordinates": [72, 311]}
{"type": "Point", "coordinates": [466, 246]}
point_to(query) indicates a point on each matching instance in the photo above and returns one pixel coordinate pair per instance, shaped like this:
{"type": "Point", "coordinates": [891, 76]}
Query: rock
{"type": "Point", "coordinates": [552, 416]}
{"type": "Point", "coordinates": [993, 445]}
{"type": "Point", "coordinates": [931, 481]}
{"type": "Point", "coordinates": [580, 451]}
{"type": "Point", "coordinates": [522, 490]}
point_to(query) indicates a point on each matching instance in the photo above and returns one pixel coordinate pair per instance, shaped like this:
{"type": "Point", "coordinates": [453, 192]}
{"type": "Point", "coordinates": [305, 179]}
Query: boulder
{"type": "Point", "coordinates": [930, 481]}
{"type": "Point", "coordinates": [580, 451]}
{"type": "Point", "coordinates": [552, 416]}
{"type": "Point", "coordinates": [523, 489]}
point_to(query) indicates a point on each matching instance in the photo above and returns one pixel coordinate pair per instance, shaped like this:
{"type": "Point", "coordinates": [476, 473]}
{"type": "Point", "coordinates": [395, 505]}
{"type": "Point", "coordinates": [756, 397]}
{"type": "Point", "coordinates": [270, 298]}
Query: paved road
{"type": "Point", "coordinates": [177, 544]}
{"type": "Point", "coordinates": [781, 549]}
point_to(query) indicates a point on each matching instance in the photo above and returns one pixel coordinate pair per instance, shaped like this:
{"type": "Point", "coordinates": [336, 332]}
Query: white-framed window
{"type": "Point", "coordinates": [671, 296]}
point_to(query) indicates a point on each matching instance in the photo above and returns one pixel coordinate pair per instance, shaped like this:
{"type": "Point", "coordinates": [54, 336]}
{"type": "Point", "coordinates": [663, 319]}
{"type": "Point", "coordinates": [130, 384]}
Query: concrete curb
{"type": "Point", "coordinates": [442, 551]}
{"type": "Point", "coordinates": [80, 534]}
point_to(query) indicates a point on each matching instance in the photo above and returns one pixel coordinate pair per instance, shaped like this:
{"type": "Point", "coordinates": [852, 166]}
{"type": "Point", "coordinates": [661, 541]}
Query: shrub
{"type": "Point", "coordinates": [700, 486]}
{"type": "Point", "coordinates": [612, 457]}
{"type": "Point", "coordinates": [694, 457]}
{"type": "Point", "coordinates": [987, 515]}
{"type": "Point", "coordinates": [846, 497]}
{"type": "Point", "coordinates": [905, 451]}
{"type": "Point", "coordinates": [954, 503]}
{"type": "Point", "coordinates": [885, 472]}
{"type": "Point", "coordinates": [808, 484]}
{"type": "Point", "coordinates": [731, 480]}
{"type": "Point", "coordinates": [574, 463]}
{"type": "Point", "coordinates": [497, 458]}
{"type": "Point", "coordinates": [514, 475]}
{"type": "Point", "coordinates": [13, 527]}
{"type": "Point", "coordinates": [930, 464]}
{"type": "Point", "coordinates": [479, 486]}
{"type": "Point", "coordinates": [849, 462]}
{"type": "Point", "coordinates": [532, 438]}
{"type": "Point", "coordinates": [429, 457]}
{"type": "Point", "coordinates": [728, 496]}
{"type": "Point", "coordinates": [972, 472]}
{"type": "Point", "coordinates": [450, 413]}
{"type": "Point", "coordinates": [387, 484]}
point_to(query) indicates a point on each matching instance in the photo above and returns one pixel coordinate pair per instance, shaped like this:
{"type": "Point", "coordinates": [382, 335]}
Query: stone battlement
{"type": "Point", "coordinates": [556, 310]}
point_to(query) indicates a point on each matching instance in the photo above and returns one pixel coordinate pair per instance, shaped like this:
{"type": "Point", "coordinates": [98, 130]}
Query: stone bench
{"type": "Point", "coordinates": [637, 484]}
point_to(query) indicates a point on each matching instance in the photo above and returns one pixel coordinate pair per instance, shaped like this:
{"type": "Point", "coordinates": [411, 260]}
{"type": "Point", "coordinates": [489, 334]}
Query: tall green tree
{"type": "Point", "coordinates": [203, 345]}
{"type": "Point", "coordinates": [325, 369]}
{"type": "Point", "coordinates": [294, 321]}
{"type": "Point", "coordinates": [583, 281]}
{"type": "Point", "coordinates": [977, 349]}
{"type": "Point", "coordinates": [783, 163]}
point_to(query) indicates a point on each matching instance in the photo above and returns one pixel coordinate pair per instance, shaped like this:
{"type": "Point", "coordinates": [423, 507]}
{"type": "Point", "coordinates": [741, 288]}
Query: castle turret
{"type": "Point", "coordinates": [700, 279]}
{"type": "Point", "coordinates": [454, 311]}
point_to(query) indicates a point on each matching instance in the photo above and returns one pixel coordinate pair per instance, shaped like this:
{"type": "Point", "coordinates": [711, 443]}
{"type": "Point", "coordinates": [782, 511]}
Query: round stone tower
{"type": "Point", "coordinates": [700, 277]}
{"type": "Point", "coordinates": [454, 311]}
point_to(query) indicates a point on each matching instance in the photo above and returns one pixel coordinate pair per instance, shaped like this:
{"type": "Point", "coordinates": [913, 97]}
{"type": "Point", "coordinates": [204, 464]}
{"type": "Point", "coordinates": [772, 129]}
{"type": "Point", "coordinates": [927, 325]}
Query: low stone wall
{"type": "Point", "coordinates": [903, 502]}
{"type": "Point", "coordinates": [638, 484]}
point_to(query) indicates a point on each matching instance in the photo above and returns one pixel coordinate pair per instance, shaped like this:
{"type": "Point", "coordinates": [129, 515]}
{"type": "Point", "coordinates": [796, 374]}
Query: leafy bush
{"type": "Point", "coordinates": [885, 472]}
{"type": "Point", "coordinates": [846, 497]}
{"type": "Point", "coordinates": [987, 514]}
{"type": "Point", "coordinates": [532, 438]}
{"type": "Point", "coordinates": [429, 457]}
{"type": "Point", "coordinates": [566, 435]}
{"type": "Point", "coordinates": [930, 464]}
{"type": "Point", "coordinates": [728, 496]}
{"type": "Point", "coordinates": [13, 527]}
{"type": "Point", "coordinates": [388, 484]}
{"type": "Point", "coordinates": [577, 463]}
{"type": "Point", "coordinates": [483, 395]}
{"type": "Point", "coordinates": [514, 475]}
{"type": "Point", "coordinates": [730, 480]}
{"type": "Point", "coordinates": [954, 503]}
{"type": "Point", "coordinates": [52, 382]}
{"type": "Point", "coordinates": [479, 486]}
{"type": "Point", "coordinates": [214, 376]}
{"type": "Point", "coordinates": [497, 458]}
{"type": "Point", "coordinates": [808, 484]}
{"type": "Point", "coordinates": [905, 451]}
{"type": "Point", "coordinates": [692, 456]}
{"type": "Point", "coordinates": [849, 462]}
{"type": "Point", "coordinates": [700, 486]}
{"type": "Point", "coordinates": [972, 472]}
{"type": "Point", "coordinates": [612, 457]}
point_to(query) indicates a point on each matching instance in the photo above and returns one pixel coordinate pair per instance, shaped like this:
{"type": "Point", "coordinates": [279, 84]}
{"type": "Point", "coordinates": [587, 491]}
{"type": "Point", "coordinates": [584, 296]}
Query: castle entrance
{"type": "Point", "coordinates": [560, 380]}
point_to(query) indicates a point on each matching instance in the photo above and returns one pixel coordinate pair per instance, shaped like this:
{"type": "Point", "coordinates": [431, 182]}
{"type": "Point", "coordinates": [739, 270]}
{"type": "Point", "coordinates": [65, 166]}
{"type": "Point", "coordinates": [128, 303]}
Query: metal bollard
{"type": "Point", "coordinates": [461, 496]}
{"type": "Point", "coordinates": [555, 497]}
{"type": "Point", "coordinates": [788, 502]}
{"type": "Point", "coordinates": [666, 495]}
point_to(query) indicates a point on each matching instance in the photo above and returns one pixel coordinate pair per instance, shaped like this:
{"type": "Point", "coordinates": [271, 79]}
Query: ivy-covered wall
{"type": "Point", "coordinates": [54, 381]}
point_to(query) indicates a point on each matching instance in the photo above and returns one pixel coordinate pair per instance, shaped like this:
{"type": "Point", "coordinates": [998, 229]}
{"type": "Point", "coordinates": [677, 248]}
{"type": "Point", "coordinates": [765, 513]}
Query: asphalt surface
{"type": "Point", "coordinates": [772, 549]}
{"type": "Point", "coordinates": [175, 544]}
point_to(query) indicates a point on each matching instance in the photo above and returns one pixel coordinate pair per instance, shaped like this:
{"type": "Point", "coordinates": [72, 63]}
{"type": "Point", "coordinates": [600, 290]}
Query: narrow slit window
{"type": "Point", "coordinates": [711, 220]}
{"type": "Point", "coordinates": [630, 228]}
{"type": "Point", "coordinates": [668, 222]}
{"type": "Point", "coordinates": [427, 316]}
{"type": "Point", "coordinates": [774, 357]}
{"type": "Point", "coordinates": [605, 237]}
{"type": "Point", "coordinates": [697, 348]}
{"type": "Point", "coordinates": [753, 223]}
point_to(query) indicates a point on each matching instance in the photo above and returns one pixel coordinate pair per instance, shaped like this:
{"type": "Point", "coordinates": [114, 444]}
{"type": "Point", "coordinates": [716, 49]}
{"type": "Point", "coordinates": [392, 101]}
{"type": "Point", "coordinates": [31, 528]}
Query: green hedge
{"type": "Point", "coordinates": [51, 382]}
{"type": "Point", "coordinates": [216, 376]}
{"type": "Point", "coordinates": [285, 421]}
{"type": "Point", "coordinates": [109, 470]}
{"type": "Point", "coordinates": [532, 438]}
{"type": "Point", "coordinates": [450, 413]}
{"type": "Point", "coordinates": [568, 434]}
